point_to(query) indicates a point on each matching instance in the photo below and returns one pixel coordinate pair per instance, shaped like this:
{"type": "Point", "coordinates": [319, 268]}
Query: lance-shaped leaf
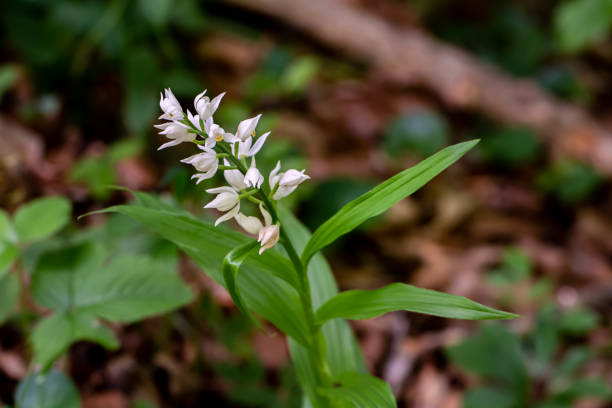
{"type": "Point", "coordinates": [382, 197]}
{"type": "Point", "coordinates": [361, 390]}
{"type": "Point", "coordinates": [366, 304]}
{"type": "Point", "coordinates": [231, 266]}
{"type": "Point", "coordinates": [268, 281]}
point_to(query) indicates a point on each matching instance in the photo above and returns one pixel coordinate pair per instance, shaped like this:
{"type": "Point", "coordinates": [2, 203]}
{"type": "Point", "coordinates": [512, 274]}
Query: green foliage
{"type": "Point", "coordinates": [342, 351]}
{"type": "Point", "coordinates": [579, 23]}
{"type": "Point", "coordinates": [51, 390]}
{"type": "Point", "coordinates": [41, 218]}
{"type": "Point", "coordinates": [515, 267]}
{"type": "Point", "coordinates": [329, 196]}
{"type": "Point", "coordinates": [422, 133]}
{"type": "Point", "coordinates": [54, 334]}
{"type": "Point", "coordinates": [8, 76]}
{"type": "Point", "coordinates": [361, 390]}
{"type": "Point", "coordinates": [74, 282]}
{"type": "Point", "coordinates": [510, 147]}
{"type": "Point", "coordinates": [9, 294]}
{"type": "Point", "coordinates": [366, 304]}
{"type": "Point", "coordinates": [382, 197]}
{"type": "Point", "coordinates": [510, 366]}
{"type": "Point", "coordinates": [569, 181]}
{"type": "Point", "coordinates": [231, 266]}
{"type": "Point", "coordinates": [98, 173]}
{"type": "Point", "coordinates": [271, 297]}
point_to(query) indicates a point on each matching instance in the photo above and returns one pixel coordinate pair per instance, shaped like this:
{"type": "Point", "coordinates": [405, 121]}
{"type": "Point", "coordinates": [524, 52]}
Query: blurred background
{"type": "Point", "coordinates": [354, 91]}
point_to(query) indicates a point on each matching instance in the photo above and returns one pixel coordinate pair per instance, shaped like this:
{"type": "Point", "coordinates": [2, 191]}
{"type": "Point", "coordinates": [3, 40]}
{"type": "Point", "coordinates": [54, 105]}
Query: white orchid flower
{"type": "Point", "coordinates": [250, 224]}
{"type": "Point", "coordinates": [216, 133]}
{"type": "Point", "coordinates": [194, 119]}
{"type": "Point", "coordinates": [247, 127]}
{"type": "Point", "coordinates": [177, 132]}
{"type": "Point", "coordinates": [170, 105]}
{"type": "Point", "coordinates": [204, 106]}
{"type": "Point", "coordinates": [287, 181]}
{"type": "Point", "coordinates": [234, 177]}
{"type": "Point", "coordinates": [245, 149]}
{"type": "Point", "coordinates": [268, 237]}
{"type": "Point", "coordinates": [253, 177]}
{"type": "Point", "coordinates": [207, 163]}
{"type": "Point", "coordinates": [268, 234]}
{"type": "Point", "coordinates": [226, 200]}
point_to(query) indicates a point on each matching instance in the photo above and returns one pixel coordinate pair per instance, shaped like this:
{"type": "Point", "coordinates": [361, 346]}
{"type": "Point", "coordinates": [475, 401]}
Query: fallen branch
{"type": "Point", "coordinates": [459, 79]}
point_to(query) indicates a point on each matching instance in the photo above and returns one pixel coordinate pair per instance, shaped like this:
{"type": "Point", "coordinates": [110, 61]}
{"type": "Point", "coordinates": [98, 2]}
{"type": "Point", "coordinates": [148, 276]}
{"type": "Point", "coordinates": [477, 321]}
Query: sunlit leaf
{"type": "Point", "coordinates": [382, 197]}
{"type": "Point", "coordinates": [366, 304]}
{"type": "Point", "coordinates": [361, 390]}
{"type": "Point", "coordinates": [41, 218]}
{"type": "Point", "coordinates": [578, 23]}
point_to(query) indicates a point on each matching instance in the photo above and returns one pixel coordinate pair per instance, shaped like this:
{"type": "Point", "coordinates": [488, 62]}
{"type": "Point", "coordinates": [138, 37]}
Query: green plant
{"type": "Point", "coordinates": [76, 284]}
{"type": "Point", "coordinates": [533, 370]}
{"type": "Point", "coordinates": [291, 285]}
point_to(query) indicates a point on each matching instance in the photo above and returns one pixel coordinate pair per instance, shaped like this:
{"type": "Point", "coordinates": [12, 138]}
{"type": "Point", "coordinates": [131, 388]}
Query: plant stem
{"type": "Point", "coordinates": [317, 341]}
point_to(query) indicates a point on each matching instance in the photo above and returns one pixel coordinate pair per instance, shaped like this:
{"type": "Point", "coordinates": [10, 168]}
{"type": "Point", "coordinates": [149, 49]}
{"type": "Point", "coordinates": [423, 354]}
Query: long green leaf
{"type": "Point", "coordinates": [361, 391]}
{"type": "Point", "coordinates": [270, 296]}
{"type": "Point", "coordinates": [382, 197]}
{"type": "Point", "coordinates": [366, 304]}
{"type": "Point", "coordinates": [231, 266]}
{"type": "Point", "coordinates": [343, 353]}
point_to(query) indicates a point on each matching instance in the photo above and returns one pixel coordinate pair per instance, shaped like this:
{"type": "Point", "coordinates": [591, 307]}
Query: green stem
{"type": "Point", "coordinates": [317, 342]}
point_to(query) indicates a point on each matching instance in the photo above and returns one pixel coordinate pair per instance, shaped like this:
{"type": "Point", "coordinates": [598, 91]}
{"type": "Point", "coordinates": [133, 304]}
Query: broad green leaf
{"type": "Point", "coordinates": [129, 288]}
{"type": "Point", "coordinates": [8, 254]}
{"type": "Point", "coordinates": [361, 391]}
{"type": "Point", "coordinates": [270, 296]}
{"type": "Point", "coordinates": [382, 197]}
{"type": "Point", "coordinates": [366, 304]}
{"type": "Point", "coordinates": [487, 397]}
{"type": "Point", "coordinates": [578, 23]}
{"type": "Point", "coordinates": [54, 334]}
{"type": "Point", "coordinates": [7, 231]}
{"type": "Point", "coordinates": [231, 266]}
{"type": "Point", "coordinates": [494, 353]}
{"type": "Point", "coordinates": [586, 387]}
{"type": "Point", "coordinates": [343, 353]}
{"type": "Point", "coordinates": [54, 274]}
{"type": "Point", "coordinates": [9, 293]}
{"type": "Point", "coordinates": [51, 390]}
{"type": "Point", "coordinates": [41, 218]}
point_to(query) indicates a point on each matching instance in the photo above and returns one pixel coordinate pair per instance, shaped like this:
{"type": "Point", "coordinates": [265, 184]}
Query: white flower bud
{"type": "Point", "coordinates": [170, 105]}
{"type": "Point", "coordinates": [177, 132]}
{"type": "Point", "coordinates": [205, 107]}
{"type": "Point", "coordinates": [247, 127]}
{"type": "Point", "coordinates": [252, 225]}
{"type": "Point", "coordinates": [288, 182]}
{"type": "Point", "coordinates": [253, 177]}
{"type": "Point", "coordinates": [268, 237]}
{"type": "Point", "coordinates": [207, 163]}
